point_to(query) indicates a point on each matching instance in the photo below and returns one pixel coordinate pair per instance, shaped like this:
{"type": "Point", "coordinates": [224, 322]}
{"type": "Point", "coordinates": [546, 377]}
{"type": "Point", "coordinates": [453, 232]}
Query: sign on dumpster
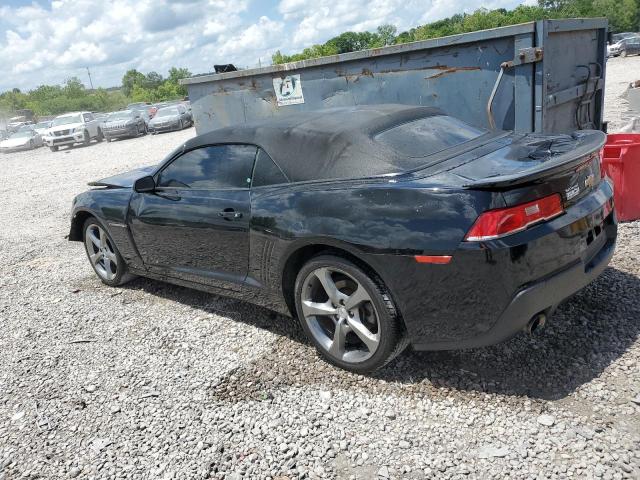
{"type": "Point", "coordinates": [288, 90]}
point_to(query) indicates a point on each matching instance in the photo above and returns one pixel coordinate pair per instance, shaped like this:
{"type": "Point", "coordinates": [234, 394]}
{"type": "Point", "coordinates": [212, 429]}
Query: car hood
{"type": "Point", "coordinates": [14, 142]}
{"type": "Point", "coordinates": [124, 180]}
{"type": "Point", "coordinates": [68, 126]}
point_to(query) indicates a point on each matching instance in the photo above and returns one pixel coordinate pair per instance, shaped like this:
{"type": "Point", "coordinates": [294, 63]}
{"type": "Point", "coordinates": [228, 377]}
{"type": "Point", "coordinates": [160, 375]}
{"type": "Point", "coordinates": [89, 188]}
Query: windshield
{"type": "Point", "coordinates": [167, 112]}
{"type": "Point", "coordinates": [41, 125]}
{"type": "Point", "coordinates": [66, 120]}
{"type": "Point", "coordinates": [22, 134]}
{"type": "Point", "coordinates": [123, 115]}
{"type": "Point", "coordinates": [427, 136]}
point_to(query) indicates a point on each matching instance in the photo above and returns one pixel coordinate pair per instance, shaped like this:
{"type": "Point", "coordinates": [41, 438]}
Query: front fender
{"type": "Point", "coordinates": [110, 206]}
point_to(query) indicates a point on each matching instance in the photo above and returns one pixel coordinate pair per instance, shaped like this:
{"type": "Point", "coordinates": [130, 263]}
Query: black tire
{"type": "Point", "coordinates": [108, 139]}
{"type": "Point", "coordinates": [393, 339]}
{"type": "Point", "coordinates": [31, 145]}
{"type": "Point", "coordinates": [87, 139]}
{"type": "Point", "coordinates": [623, 53]}
{"type": "Point", "coordinates": [122, 274]}
{"type": "Point", "coordinates": [53, 148]}
{"type": "Point", "coordinates": [100, 136]}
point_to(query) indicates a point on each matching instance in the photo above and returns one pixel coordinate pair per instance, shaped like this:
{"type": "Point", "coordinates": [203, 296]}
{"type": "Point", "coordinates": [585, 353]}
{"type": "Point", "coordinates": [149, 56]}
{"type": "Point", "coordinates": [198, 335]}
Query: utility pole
{"type": "Point", "coordinates": [90, 81]}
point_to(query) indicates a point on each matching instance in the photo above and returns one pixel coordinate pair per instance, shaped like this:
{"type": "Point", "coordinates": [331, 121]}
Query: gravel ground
{"type": "Point", "coordinates": [620, 73]}
{"type": "Point", "coordinates": [156, 381]}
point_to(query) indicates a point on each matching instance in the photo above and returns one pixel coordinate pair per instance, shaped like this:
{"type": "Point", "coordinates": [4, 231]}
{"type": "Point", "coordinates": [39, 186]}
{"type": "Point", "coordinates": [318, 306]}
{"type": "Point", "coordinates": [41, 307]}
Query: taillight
{"type": "Point", "coordinates": [505, 221]}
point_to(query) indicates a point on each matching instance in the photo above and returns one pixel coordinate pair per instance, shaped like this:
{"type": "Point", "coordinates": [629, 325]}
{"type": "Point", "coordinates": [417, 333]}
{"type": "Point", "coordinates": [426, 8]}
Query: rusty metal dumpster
{"type": "Point", "coordinates": [545, 76]}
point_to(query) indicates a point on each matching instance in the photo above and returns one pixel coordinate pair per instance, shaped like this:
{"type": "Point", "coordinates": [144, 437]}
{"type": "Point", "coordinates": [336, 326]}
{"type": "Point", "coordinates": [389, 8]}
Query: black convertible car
{"type": "Point", "coordinates": [376, 226]}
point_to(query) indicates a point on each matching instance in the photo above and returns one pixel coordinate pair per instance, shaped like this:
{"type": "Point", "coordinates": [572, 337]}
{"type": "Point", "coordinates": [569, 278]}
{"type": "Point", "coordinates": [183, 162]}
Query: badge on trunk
{"type": "Point", "coordinates": [572, 191]}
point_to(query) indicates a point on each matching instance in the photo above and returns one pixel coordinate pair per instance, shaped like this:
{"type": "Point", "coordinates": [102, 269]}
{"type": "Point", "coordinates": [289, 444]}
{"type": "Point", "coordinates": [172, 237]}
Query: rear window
{"type": "Point", "coordinates": [428, 135]}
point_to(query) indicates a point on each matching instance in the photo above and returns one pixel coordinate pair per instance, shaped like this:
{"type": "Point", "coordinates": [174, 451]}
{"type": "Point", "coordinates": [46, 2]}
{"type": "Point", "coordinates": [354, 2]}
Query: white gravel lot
{"type": "Point", "coordinates": [152, 381]}
{"type": "Point", "coordinates": [620, 73]}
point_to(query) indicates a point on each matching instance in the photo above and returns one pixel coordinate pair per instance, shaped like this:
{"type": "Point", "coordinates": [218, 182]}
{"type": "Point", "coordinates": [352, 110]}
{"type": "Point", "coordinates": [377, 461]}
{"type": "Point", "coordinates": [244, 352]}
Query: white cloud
{"type": "Point", "coordinates": [47, 44]}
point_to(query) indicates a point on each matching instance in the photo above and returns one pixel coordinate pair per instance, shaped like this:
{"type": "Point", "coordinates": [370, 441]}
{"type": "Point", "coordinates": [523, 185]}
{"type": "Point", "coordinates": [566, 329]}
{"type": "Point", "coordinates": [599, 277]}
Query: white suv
{"type": "Point", "coordinates": [72, 128]}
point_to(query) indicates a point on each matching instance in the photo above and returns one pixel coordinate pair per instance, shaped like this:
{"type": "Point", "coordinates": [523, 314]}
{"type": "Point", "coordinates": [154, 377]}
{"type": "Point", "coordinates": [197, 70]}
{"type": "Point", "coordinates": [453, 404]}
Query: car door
{"type": "Point", "coordinates": [195, 225]}
{"type": "Point", "coordinates": [89, 124]}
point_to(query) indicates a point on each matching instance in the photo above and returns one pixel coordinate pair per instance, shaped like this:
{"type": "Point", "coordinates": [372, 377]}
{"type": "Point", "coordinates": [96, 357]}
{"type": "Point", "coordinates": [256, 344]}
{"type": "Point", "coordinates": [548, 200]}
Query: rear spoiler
{"type": "Point", "coordinates": [586, 143]}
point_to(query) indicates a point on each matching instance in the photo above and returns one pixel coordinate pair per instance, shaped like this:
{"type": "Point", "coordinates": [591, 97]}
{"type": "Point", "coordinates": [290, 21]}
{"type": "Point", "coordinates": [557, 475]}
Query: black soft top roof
{"type": "Point", "coordinates": [326, 144]}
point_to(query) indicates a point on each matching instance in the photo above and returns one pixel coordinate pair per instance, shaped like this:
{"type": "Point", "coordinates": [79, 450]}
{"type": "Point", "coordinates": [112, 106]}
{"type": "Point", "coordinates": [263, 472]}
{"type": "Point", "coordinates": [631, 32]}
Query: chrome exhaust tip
{"type": "Point", "coordinates": [536, 323]}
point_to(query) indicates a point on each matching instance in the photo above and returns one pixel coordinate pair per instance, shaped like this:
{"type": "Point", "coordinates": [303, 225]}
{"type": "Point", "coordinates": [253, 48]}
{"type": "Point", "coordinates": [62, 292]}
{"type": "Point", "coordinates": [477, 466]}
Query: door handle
{"type": "Point", "coordinates": [230, 214]}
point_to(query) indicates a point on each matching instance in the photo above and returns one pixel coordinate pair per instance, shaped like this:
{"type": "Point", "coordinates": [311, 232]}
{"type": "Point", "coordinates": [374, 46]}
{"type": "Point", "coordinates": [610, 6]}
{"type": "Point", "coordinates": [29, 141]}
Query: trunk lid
{"type": "Point", "coordinates": [533, 166]}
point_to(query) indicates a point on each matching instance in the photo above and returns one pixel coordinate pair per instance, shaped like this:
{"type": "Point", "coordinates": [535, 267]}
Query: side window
{"type": "Point", "coordinates": [266, 172]}
{"type": "Point", "coordinates": [214, 167]}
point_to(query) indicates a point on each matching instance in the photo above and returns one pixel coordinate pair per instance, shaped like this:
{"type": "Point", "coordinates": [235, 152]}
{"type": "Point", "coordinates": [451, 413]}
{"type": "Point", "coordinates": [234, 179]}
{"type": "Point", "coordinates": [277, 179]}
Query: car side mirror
{"type": "Point", "coordinates": [145, 184]}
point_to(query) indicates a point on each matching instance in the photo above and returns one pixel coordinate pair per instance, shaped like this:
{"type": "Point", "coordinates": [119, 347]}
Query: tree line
{"type": "Point", "coordinates": [623, 16]}
{"type": "Point", "coordinates": [72, 96]}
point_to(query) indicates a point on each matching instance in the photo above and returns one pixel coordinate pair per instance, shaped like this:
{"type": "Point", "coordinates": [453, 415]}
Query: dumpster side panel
{"type": "Point", "coordinates": [561, 91]}
{"type": "Point", "coordinates": [574, 71]}
{"type": "Point", "coordinates": [456, 78]}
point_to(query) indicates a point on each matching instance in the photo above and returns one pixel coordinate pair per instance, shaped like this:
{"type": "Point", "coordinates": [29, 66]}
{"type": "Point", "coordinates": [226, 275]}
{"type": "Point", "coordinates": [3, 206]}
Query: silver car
{"type": "Point", "coordinates": [23, 139]}
{"type": "Point", "coordinates": [172, 117]}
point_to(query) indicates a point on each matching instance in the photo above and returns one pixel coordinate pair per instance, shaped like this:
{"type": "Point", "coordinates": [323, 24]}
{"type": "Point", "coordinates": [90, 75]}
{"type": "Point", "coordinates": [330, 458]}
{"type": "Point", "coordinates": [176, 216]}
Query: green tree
{"type": "Point", "coordinates": [74, 88]}
{"type": "Point", "coordinates": [387, 33]}
{"type": "Point", "coordinates": [153, 80]}
{"type": "Point", "coordinates": [130, 79]}
{"type": "Point", "coordinates": [175, 75]}
{"type": "Point", "coordinates": [623, 15]}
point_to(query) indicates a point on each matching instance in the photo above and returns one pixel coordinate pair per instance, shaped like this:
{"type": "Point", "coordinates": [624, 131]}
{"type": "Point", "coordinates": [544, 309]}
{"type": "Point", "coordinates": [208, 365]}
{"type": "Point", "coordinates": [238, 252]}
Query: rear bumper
{"type": "Point", "coordinates": [542, 296]}
{"type": "Point", "coordinates": [490, 290]}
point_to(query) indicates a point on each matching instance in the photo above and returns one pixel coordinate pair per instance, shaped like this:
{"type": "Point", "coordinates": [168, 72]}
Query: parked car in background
{"type": "Point", "coordinates": [144, 113]}
{"type": "Point", "coordinates": [124, 124]}
{"type": "Point", "coordinates": [42, 127]}
{"type": "Point", "coordinates": [377, 226]}
{"type": "Point", "coordinates": [626, 46]}
{"type": "Point", "coordinates": [158, 106]}
{"type": "Point", "coordinates": [21, 118]}
{"type": "Point", "coordinates": [15, 123]}
{"type": "Point", "coordinates": [150, 109]}
{"type": "Point", "coordinates": [24, 139]}
{"type": "Point", "coordinates": [169, 118]}
{"type": "Point", "coordinates": [630, 46]}
{"type": "Point", "coordinates": [616, 37]}
{"type": "Point", "coordinates": [72, 128]}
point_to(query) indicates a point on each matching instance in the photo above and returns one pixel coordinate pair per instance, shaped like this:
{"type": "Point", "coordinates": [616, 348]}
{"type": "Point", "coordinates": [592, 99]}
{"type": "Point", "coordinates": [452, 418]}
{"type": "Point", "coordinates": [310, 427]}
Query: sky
{"type": "Point", "coordinates": [46, 42]}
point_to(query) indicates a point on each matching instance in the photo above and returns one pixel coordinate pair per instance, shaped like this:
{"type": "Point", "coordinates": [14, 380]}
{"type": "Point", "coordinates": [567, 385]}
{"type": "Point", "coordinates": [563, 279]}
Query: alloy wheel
{"type": "Point", "coordinates": [101, 252]}
{"type": "Point", "coordinates": [340, 315]}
